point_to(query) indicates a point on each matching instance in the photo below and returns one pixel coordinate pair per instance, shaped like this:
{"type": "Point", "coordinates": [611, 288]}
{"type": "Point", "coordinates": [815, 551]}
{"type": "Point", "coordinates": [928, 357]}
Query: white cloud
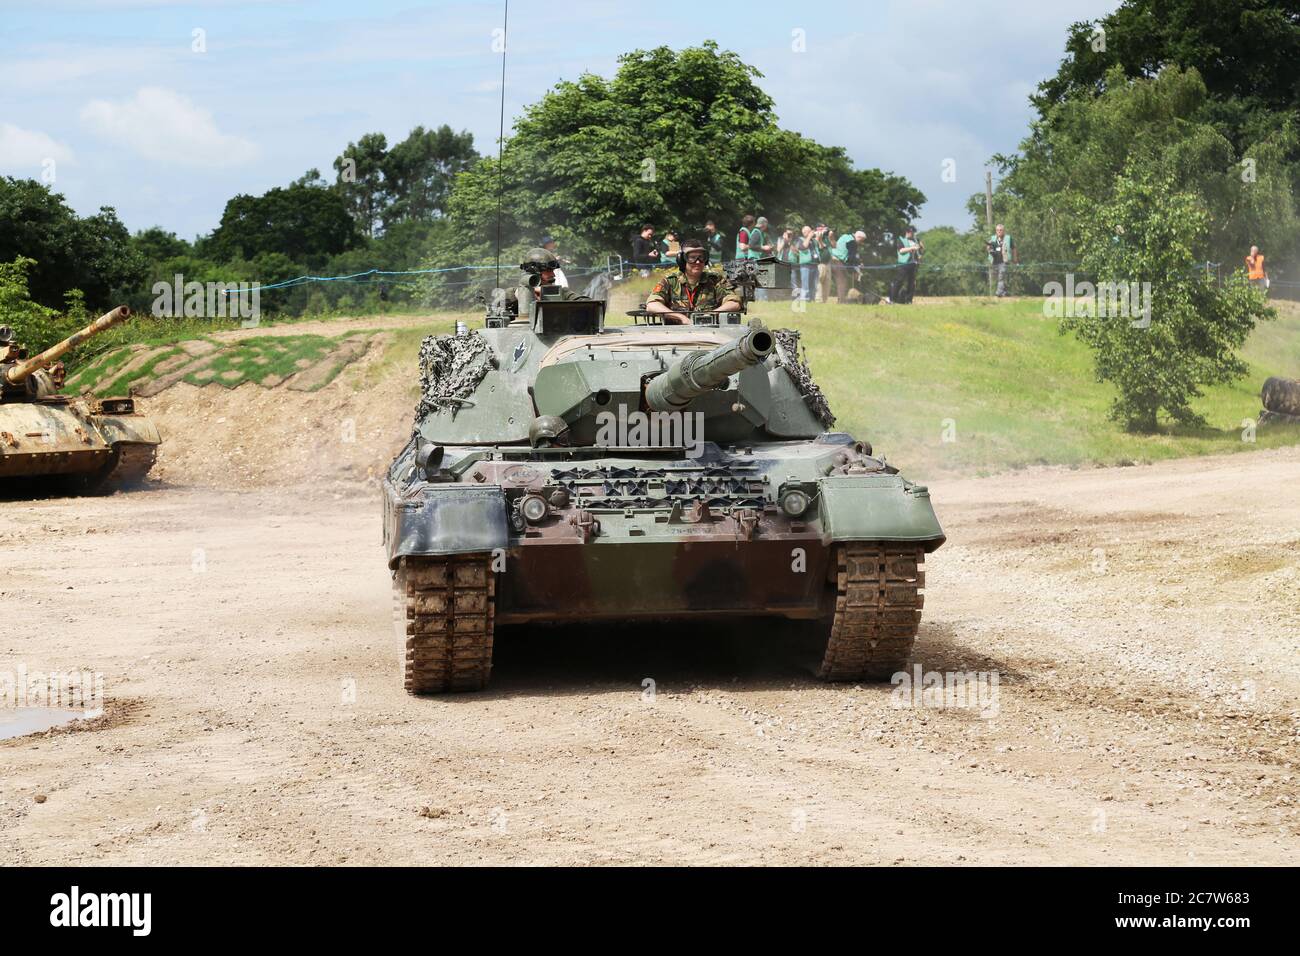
{"type": "Point", "coordinates": [21, 150]}
{"type": "Point", "coordinates": [167, 127]}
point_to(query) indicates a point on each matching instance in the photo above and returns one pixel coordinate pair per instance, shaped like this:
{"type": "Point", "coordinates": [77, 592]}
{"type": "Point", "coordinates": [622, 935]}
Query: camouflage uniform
{"type": "Point", "coordinates": [713, 291]}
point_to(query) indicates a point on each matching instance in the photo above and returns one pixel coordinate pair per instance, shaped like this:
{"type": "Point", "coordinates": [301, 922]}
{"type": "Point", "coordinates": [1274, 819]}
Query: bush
{"type": "Point", "coordinates": [1149, 233]}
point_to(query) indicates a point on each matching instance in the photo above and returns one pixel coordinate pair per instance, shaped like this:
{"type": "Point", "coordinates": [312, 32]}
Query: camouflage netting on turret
{"type": "Point", "coordinates": [451, 366]}
{"type": "Point", "coordinates": [795, 361]}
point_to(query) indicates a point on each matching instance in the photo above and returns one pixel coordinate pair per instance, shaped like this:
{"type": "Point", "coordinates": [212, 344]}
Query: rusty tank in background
{"type": "Point", "coordinates": [77, 443]}
{"type": "Point", "coordinates": [1281, 400]}
{"type": "Point", "coordinates": [562, 471]}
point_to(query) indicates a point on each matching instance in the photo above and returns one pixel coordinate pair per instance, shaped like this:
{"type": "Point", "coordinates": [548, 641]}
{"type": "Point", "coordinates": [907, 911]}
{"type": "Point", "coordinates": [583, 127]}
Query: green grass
{"type": "Point", "coordinates": [1017, 392]}
{"type": "Point", "coordinates": [256, 359]}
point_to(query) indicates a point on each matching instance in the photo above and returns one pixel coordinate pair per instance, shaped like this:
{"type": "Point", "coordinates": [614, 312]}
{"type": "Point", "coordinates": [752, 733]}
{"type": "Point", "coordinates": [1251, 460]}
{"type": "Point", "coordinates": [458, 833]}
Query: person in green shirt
{"type": "Point", "coordinates": [713, 239]}
{"type": "Point", "coordinates": [1002, 253]}
{"type": "Point", "coordinates": [909, 257]}
{"type": "Point", "coordinates": [742, 237]}
{"type": "Point", "coordinates": [760, 247]}
{"type": "Point", "coordinates": [843, 260]}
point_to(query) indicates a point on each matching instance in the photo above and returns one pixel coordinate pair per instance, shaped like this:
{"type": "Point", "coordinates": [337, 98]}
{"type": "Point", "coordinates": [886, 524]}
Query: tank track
{"type": "Point", "coordinates": [130, 463]}
{"type": "Point", "coordinates": [878, 603]}
{"type": "Point", "coordinates": [445, 609]}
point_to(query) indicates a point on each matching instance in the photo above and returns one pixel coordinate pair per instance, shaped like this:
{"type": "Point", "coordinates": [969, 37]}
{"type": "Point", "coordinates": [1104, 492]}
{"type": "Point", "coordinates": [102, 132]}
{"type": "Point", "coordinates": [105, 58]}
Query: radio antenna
{"type": "Point", "coordinates": [501, 135]}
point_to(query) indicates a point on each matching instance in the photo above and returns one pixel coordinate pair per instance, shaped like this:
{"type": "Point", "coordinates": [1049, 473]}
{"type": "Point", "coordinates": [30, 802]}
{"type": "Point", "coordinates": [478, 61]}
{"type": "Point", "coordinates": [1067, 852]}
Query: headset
{"type": "Point", "coordinates": [681, 253]}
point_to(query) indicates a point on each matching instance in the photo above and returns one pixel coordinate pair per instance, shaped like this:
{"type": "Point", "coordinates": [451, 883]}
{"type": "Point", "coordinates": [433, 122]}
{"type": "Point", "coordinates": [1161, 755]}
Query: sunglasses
{"type": "Point", "coordinates": [697, 257]}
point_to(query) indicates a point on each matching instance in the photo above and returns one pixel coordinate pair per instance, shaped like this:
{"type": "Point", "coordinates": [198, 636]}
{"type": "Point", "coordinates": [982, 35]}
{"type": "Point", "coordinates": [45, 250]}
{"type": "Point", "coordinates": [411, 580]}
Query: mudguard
{"type": "Point", "coordinates": [877, 508]}
{"type": "Point", "coordinates": [128, 428]}
{"type": "Point", "coordinates": [445, 519]}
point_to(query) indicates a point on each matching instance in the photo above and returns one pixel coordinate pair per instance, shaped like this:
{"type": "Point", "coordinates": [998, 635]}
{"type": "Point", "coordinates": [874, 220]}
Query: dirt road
{"type": "Point", "coordinates": [1143, 624]}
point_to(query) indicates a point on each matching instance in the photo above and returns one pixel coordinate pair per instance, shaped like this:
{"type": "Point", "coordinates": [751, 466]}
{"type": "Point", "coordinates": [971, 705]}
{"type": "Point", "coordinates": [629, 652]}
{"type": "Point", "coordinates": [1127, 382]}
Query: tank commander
{"type": "Point", "coordinates": [538, 269]}
{"type": "Point", "coordinates": [691, 288]}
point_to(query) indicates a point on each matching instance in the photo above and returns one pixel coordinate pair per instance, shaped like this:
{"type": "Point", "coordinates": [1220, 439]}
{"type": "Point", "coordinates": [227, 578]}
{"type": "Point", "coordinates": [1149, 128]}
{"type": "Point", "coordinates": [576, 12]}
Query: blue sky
{"type": "Point", "coordinates": [131, 116]}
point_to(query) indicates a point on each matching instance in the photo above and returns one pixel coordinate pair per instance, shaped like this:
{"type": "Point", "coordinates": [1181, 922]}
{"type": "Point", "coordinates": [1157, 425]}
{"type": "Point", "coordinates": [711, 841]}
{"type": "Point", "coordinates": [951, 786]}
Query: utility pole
{"type": "Point", "coordinates": [988, 214]}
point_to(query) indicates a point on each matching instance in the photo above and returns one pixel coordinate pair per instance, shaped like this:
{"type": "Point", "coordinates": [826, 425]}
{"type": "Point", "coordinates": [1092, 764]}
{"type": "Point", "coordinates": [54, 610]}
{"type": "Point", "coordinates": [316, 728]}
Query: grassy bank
{"type": "Point", "coordinates": [996, 378]}
{"type": "Point", "coordinates": [1006, 386]}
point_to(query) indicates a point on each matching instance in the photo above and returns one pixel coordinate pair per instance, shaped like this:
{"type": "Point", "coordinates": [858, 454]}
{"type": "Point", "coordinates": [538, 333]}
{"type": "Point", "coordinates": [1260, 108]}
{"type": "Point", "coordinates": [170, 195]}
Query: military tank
{"type": "Point", "coordinates": [562, 471]}
{"type": "Point", "coordinates": [84, 444]}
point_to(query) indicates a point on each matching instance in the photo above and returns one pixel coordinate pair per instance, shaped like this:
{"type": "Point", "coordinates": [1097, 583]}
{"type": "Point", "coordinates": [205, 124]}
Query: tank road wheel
{"type": "Point", "coordinates": [878, 604]}
{"type": "Point", "coordinates": [446, 605]}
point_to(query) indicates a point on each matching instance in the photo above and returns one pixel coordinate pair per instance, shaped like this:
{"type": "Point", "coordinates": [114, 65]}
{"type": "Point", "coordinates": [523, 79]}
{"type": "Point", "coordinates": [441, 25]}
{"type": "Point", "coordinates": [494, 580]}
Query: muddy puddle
{"type": "Point", "coordinates": [21, 721]}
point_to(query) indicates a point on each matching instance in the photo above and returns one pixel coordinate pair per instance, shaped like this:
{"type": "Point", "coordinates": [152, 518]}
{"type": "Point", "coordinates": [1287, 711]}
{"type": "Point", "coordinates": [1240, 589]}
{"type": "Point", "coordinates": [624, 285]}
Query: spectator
{"type": "Point", "coordinates": [909, 257]}
{"type": "Point", "coordinates": [669, 248]}
{"type": "Point", "coordinates": [760, 247]}
{"type": "Point", "coordinates": [713, 240]}
{"type": "Point", "coordinates": [1255, 270]}
{"type": "Point", "coordinates": [844, 259]}
{"type": "Point", "coordinates": [551, 246]}
{"type": "Point", "coordinates": [742, 237]}
{"type": "Point", "coordinates": [806, 246]}
{"type": "Point", "coordinates": [787, 254]}
{"type": "Point", "coordinates": [825, 243]}
{"type": "Point", "coordinates": [760, 244]}
{"type": "Point", "coordinates": [645, 251]}
{"type": "Point", "coordinates": [1002, 252]}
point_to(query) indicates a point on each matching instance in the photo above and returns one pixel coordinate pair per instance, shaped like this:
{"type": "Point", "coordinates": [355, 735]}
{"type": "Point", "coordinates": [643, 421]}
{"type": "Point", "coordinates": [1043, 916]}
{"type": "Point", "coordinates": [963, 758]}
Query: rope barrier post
{"type": "Point", "coordinates": [988, 214]}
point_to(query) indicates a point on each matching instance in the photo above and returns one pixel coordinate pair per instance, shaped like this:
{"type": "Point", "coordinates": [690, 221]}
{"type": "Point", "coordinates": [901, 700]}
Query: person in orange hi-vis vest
{"type": "Point", "coordinates": [1255, 269]}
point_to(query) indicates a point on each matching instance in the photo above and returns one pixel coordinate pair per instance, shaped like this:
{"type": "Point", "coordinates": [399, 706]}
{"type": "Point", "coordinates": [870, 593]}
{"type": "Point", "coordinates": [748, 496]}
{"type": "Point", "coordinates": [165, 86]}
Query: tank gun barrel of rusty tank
{"type": "Point", "coordinates": [20, 371]}
{"type": "Point", "coordinates": [700, 372]}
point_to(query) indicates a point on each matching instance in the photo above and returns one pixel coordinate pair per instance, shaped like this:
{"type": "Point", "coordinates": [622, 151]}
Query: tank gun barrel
{"type": "Point", "coordinates": [20, 371]}
{"type": "Point", "coordinates": [700, 372]}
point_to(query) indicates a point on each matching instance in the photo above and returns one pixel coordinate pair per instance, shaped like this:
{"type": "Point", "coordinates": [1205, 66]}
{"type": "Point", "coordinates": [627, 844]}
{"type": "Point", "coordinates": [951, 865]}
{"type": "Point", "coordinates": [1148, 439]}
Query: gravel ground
{"type": "Point", "coordinates": [1141, 624]}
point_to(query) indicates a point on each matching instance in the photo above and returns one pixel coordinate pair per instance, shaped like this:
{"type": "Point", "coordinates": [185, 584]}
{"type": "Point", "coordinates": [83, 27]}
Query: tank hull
{"type": "Point", "coordinates": [634, 539]}
{"type": "Point", "coordinates": [61, 436]}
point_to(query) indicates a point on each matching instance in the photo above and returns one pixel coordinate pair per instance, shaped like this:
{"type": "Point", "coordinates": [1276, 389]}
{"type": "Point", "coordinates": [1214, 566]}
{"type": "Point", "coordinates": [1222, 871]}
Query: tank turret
{"type": "Point", "coordinates": [19, 370]}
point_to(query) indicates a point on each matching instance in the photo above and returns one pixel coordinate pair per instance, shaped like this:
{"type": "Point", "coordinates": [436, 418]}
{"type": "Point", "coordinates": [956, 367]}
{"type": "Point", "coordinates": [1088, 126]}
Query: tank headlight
{"type": "Point", "coordinates": [795, 503]}
{"type": "Point", "coordinates": [534, 508]}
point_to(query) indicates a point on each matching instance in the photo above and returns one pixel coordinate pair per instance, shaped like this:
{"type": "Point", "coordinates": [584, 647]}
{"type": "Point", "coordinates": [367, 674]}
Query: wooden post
{"type": "Point", "coordinates": [988, 215]}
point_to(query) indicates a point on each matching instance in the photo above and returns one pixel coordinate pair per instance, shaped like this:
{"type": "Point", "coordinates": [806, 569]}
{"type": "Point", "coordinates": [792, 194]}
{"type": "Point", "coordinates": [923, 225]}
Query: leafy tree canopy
{"type": "Point", "coordinates": [1247, 52]}
{"type": "Point", "coordinates": [93, 254]}
{"type": "Point", "coordinates": [305, 223]}
{"type": "Point", "coordinates": [1073, 158]}
{"type": "Point", "coordinates": [410, 182]}
{"type": "Point", "coordinates": [675, 138]}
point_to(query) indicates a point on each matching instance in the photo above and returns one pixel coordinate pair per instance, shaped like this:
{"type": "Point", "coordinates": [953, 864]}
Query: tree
{"type": "Point", "coordinates": [1149, 232]}
{"type": "Point", "coordinates": [1245, 50]}
{"type": "Point", "coordinates": [419, 171]}
{"type": "Point", "coordinates": [306, 223]}
{"type": "Point", "coordinates": [674, 139]}
{"type": "Point", "coordinates": [1076, 153]}
{"type": "Point", "coordinates": [156, 244]}
{"type": "Point", "coordinates": [93, 254]}
{"type": "Point", "coordinates": [37, 326]}
{"type": "Point", "coordinates": [360, 180]}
